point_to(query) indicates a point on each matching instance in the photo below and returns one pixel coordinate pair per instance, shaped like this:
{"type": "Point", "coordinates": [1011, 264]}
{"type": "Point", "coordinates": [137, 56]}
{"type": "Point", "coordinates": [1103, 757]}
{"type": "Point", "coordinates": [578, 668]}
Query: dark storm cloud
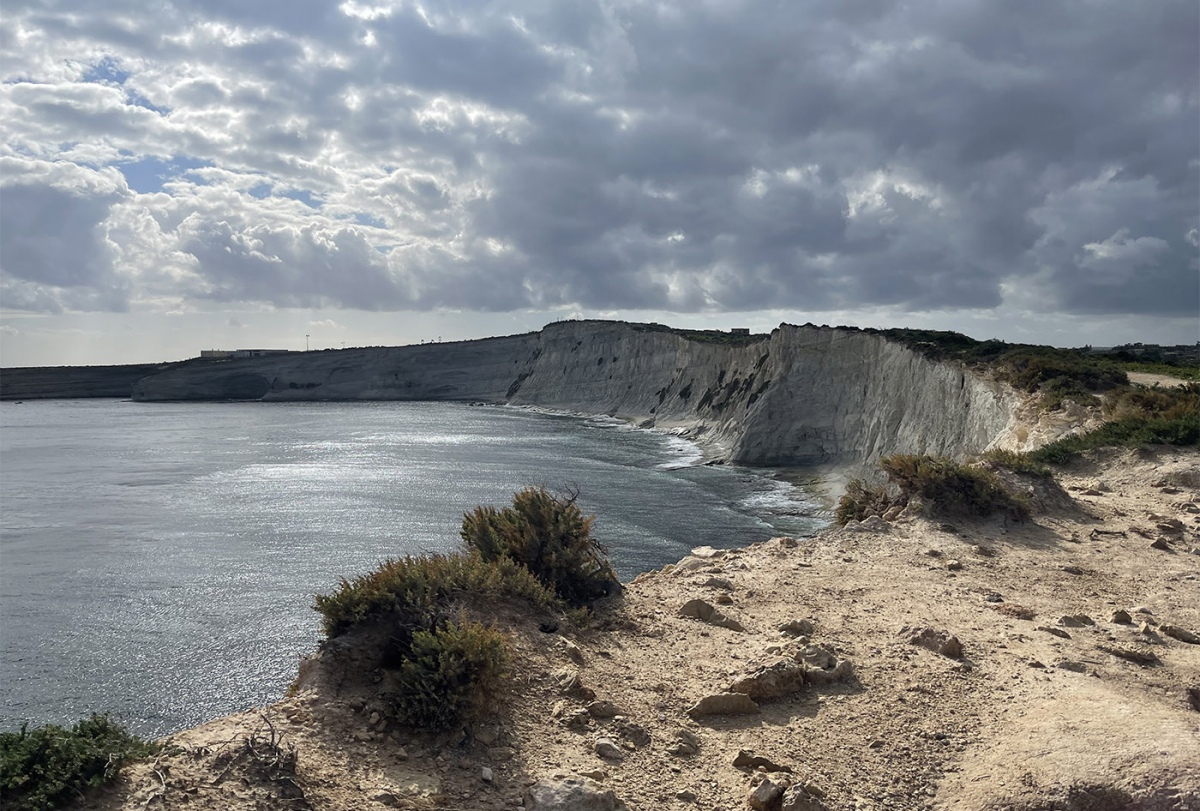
{"type": "Point", "coordinates": [669, 155]}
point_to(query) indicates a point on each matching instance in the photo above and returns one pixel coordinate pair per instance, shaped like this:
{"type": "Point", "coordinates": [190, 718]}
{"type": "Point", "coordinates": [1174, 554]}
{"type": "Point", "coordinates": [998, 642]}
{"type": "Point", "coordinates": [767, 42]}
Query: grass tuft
{"type": "Point", "coordinates": [50, 766]}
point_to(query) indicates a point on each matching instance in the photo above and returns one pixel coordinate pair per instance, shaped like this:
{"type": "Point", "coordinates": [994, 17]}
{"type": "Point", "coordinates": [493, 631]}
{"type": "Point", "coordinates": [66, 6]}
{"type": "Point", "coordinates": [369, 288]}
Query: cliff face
{"type": "Point", "coordinates": [801, 396]}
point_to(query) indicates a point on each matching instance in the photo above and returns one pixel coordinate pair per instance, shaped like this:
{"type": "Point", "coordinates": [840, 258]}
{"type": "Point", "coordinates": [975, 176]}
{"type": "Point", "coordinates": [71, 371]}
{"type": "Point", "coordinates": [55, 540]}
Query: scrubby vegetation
{"type": "Point", "coordinates": [441, 667]}
{"type": "Point", "coordinates": [449, 674]}
{"type": "Point", "coordinates": [944, 488]}
{"type": "Point", "coordinates": [50, 766]}
{"type": "Point", "coordinates": [412, 588]}
{"type": "Point", "coordinates": [1057, 374]}
{"type": "Point", "coordinates": [862, 500]}
{"type": "Point", "coordinates": [1139, 416]}
{"type": "Point", "coordinates": [550, 537]}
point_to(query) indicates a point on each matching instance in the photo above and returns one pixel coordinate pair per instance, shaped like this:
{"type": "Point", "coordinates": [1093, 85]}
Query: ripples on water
{"type": "Point", "coordinates": [158, 560]}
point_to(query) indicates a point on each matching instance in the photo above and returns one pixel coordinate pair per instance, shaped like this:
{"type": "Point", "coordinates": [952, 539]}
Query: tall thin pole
{"type": "Point", "coordinates": [306, 342]}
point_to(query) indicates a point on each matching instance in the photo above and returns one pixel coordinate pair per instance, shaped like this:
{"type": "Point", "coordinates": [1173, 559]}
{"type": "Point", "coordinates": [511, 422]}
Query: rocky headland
{"type": "Point", "coordinates": [815, 397]}
{"type": "Point", "coordinates": [911, 664]}
{"type": "Point", "coordinates": [1049, 663]}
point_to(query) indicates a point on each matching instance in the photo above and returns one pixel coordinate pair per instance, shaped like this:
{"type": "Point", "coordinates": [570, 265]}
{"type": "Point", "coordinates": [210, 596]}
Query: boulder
{"type": "Point", "coordinates": [603, 709]}
{"type": "Point", "coordinates": [937, 641]}
{"type": "Point", "coordinates": [780, 677]}
{"type": "Point", "coordinates": [686, 744]}
{"type": "Point", "coordinates": [822, 665]}
{"type": "Point", "coordinates": [749, 760]}
{"type": "Point", "coordinates": [767, 793]}
{"type": "Point", "coordinates": [607, 749]}
{"type": "Point", "coordinates": [800, 798]}
{"type": "Point", "coordinates": [1182, 634]}
{"type": "Point", "coordinates": [801, 627]}
{"type": "Point", "coordinates": [1121, 617]}
{"type": "Point", "coordinates": [705, 612]}
{"type": "Point", "coordinates": [571, 794]}
{"type": "Point", "coordinates": [723, 704]}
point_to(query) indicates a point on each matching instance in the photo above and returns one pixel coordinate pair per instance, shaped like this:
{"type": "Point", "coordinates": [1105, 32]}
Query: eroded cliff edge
{"type": "Point", "coordinates": [803, 396]}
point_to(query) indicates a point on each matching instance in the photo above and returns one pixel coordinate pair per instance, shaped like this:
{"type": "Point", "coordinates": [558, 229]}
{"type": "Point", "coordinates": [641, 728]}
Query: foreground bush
{"type": "Point", "coordinates": [450, 674]}
{"type": "Point", "coordinates": [50, 766]}
{"type": "Point", "coordinates": [950, 488]}
{"type": "Point", "coordinates": [437, 667]}
{"type": "Point", "coordinates": [862, 501]}
{"type": "Point", "coordinates": [944, 486]}
{"type": "Point", "coordinates": [548, 535]}
{"type": "Point", "coordinates": [415, 590]}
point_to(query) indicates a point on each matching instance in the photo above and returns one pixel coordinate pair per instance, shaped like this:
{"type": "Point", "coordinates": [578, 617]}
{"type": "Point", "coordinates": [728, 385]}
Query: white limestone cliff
{"type": "Point", "coordinates": [829, 398]}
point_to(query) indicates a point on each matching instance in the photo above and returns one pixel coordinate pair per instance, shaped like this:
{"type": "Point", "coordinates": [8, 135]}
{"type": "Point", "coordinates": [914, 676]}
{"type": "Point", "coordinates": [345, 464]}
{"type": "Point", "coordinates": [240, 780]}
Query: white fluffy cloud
{"type": "Point", "coordinates": [607, 155]}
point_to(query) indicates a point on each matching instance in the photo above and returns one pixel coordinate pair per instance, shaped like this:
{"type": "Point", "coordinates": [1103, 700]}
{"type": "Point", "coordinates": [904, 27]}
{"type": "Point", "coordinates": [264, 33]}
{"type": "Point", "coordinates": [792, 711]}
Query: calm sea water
{"type": "Point", "coordinates": [159, 561]}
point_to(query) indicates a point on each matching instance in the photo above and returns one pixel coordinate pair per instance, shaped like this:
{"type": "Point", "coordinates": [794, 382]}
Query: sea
{"type": "Point", "coordinates": [159, 562]}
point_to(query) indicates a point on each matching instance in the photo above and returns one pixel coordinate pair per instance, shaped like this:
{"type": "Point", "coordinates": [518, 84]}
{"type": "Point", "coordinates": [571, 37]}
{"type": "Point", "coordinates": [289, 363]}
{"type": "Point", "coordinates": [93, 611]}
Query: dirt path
{"type": "Point", "coordinates": [1052, 704]}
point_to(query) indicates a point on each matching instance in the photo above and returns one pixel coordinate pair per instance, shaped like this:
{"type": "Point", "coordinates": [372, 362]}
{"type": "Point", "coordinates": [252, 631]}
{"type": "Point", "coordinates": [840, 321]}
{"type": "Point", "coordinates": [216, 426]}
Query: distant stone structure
{"type": "Point", "coordinates": [241, 353]}
{"type": "Point", "coordinates": [739, 331]}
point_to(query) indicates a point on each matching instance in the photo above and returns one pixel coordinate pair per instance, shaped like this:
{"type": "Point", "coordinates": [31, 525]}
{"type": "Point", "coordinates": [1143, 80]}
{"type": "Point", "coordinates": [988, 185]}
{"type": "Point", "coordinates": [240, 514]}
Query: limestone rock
{"type": "Point", "coordinates": [718, 583]}
{"type": "Point", "coordinates": [767, 794]}
{"type": "Point", "coordinates": [1135, 655]}
{"type": "Point", "coordinates": [603, 709]}
{"type": "Point", "coordinates": [801, 798]}
{"type": "Point", "coordinates": [780, 677]}
{"type": "Point", "coordinates": [572, 650]}
{"type": "Point", "coordinates": [571, 794]}
{"type": "Point", "coordinates": [686, 744]}
{"type": "Point", "coordinates": [569, 682]}
{"type": "Point", "coordinates": [1075, 621]}
{"type": "Point", "coordinates": [723, 704]}
{"type": "Point", "coordinates": [872, 523]}
{"type": "Point", "coordinates": [605, 748]}
{"type": "Point", "coordinates": [802, 627]}
{"type": "Point", "coordinates": [937, 641]}
{"type": "Point", "coordinates": [749, 760]}
{"type": "Point", "coordinates": [822, 665]}
{"type": "Point", "coordinates": [635, 734]}
{"type": "Point", "coordinates": [1182, 634]}
{"type": "Point", "coordinates": [705, 612]}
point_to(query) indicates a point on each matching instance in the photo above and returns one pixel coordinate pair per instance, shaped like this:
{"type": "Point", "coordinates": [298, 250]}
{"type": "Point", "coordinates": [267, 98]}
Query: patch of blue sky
{"type": "Point", "coordinates": [303, 196]}
{"type": "Point", "coordinates": [260, 191]}
{"type": "Point", "coordinates": [148, 175]}
{"type": "Point", "coordinates": [109, 71]}
{"type": "Point", "coordinates": [367, 219]}
{"type": "Point", "coordinates": [106, 71]}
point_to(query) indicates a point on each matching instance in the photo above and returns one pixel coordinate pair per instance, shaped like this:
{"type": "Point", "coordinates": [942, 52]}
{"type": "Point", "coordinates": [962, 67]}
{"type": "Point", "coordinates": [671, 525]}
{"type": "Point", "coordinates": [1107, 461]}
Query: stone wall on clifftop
{"type": "Point", "coordinates": [809, 396]}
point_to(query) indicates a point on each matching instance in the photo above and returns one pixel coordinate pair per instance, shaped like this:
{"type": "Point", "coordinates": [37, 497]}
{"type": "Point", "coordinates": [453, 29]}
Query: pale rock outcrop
{"type": "Point", "coordinates": [571, 794]}
{"type": "Point", "coordinates": [812, 396]}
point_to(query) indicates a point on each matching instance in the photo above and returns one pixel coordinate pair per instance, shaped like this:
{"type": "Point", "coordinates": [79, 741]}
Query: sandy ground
{"type": "Point", "coordinates": [1145, 379]}
{"type": "Point", "coordinates": [1081, 716]}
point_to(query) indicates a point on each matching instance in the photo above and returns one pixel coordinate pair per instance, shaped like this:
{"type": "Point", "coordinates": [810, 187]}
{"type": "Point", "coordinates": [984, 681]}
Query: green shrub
{"type": "Point", "coordinates": [413, 590]}
{"type": "Point", "coordinates": [862, 501]}
{"type": "Point", "coordinates": [949, 488]}
{"type": "Point", "coordinates": [450, 674]}
{"type": "Point", "coordinates": [437, 671]}
{"type": "Point", "coordinates": [50, 766]}
{"type": "Point", "coordinates": [1017, 463]}
{"type": "Point", "coordinates": [1129, 432]}
{"type": "Point", "coordinates": [551, 537]}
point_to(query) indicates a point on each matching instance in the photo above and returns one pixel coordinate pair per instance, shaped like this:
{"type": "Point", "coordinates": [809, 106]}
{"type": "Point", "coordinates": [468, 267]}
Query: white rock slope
{"type": "Point", "coordinates": [807, 396]}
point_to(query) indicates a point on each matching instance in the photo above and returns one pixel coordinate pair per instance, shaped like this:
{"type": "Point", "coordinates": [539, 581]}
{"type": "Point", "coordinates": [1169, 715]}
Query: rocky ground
{"type": "Point", "coordinates": [1077, 685]}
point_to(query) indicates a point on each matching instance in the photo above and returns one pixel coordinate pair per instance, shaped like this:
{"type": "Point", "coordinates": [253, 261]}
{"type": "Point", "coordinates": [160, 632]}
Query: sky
{"type": "Point", "coordinates": [178, 175]}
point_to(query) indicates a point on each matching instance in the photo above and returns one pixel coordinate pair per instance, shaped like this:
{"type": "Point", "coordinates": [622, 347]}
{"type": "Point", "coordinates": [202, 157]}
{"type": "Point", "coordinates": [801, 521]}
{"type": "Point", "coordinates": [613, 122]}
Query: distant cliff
{"type": "Point", "coordinates": [809, 396]}
{"type": "Point", "coordinates": [71, 382]}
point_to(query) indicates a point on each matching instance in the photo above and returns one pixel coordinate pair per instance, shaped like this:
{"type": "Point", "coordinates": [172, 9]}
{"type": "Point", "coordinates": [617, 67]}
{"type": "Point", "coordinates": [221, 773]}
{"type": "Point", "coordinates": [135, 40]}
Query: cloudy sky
{"type": "Point", "coordinates": [187, 174]}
